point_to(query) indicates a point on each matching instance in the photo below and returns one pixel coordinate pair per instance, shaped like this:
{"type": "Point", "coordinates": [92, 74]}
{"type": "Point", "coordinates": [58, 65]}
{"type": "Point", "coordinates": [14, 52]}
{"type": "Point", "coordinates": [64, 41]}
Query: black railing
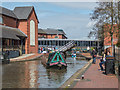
{"type": "Point", "coordinates": [117, 61]}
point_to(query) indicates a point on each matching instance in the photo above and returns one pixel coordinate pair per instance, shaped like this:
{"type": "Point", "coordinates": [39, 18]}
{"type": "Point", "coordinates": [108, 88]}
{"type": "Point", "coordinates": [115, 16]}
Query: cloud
{"type": "Point", "coordinates": [73, 25]}
{"type": "Point", "coordinates": [77, 5]}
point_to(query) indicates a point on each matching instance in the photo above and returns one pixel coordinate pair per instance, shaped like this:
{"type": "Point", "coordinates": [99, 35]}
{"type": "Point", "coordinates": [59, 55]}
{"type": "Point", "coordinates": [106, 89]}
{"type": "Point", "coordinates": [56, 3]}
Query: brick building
{"type": "Point", "coordinates": [51, 34]}
{"type": "Point", "coordinates": [24, 20]}
{"type": "Point", "coordinates": [107, 38]}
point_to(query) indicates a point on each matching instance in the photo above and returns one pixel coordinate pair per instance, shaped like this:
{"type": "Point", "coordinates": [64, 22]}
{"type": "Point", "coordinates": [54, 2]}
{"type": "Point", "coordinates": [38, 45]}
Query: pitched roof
{"type": "Point", "coordinates": [11, 33]}
{"type": "Point", "coordinates": [7, 12]}
{"type": "Point", "coordinates": [18, 12]}
{"type": "Point", "coordinates": [41, 31]}
{"type": "Point", "coordinates": [23, 12]}
{"type": "Point", "coordinates": [51, 31]}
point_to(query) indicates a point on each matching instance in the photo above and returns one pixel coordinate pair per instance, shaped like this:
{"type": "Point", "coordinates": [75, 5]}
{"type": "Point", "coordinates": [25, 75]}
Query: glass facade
{"type": "Point", "coordinates": [63, 42]}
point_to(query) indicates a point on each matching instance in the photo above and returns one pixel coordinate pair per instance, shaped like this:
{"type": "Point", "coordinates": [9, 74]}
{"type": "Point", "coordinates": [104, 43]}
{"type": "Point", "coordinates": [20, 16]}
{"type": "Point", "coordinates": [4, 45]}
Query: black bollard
{"type": "Point", "coordinates": [82, 77]}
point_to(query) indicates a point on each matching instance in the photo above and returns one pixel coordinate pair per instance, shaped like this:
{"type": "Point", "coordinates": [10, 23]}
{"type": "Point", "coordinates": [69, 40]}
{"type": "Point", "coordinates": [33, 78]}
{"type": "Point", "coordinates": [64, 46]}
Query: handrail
{"type": "Point", "coordinates": [66, 46]}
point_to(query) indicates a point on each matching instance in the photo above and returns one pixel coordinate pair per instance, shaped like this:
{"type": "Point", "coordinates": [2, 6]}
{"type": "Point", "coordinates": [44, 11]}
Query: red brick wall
{"type": "Point", "coordinates": [33, 49]}
{"type": "Point", "coordinates": [107, 39]}
{"type": "Point", "coordinates": [50, 36]}
{"type": "Point", "coordinates": [9, 21]}
{"type": "Point", "coordinates": [24, 25]}
{"type": "Point", "coordinates": [42, 35]}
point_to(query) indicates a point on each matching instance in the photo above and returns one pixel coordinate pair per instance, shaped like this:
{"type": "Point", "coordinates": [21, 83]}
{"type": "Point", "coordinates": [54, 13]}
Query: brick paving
{"type": "Point", "coordinates": [28, 57]}
{"type": "Point", "coordinates": [96, 79]}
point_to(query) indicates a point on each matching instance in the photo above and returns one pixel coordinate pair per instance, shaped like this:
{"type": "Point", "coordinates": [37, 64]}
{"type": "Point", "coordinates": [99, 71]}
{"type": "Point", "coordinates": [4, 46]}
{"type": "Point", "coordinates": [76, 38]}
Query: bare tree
{"type": "Point", "coordinates": [106, 17]}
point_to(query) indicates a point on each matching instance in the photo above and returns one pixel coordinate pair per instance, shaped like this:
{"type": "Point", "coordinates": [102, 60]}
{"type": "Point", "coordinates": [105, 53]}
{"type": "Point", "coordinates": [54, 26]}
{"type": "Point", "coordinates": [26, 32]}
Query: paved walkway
{"type": "Point", "coordinates": [26, 57]}
{"type": "Point", "coordinates": [88, 55]}
{"type": "Point", "coordinates": [96, 79]}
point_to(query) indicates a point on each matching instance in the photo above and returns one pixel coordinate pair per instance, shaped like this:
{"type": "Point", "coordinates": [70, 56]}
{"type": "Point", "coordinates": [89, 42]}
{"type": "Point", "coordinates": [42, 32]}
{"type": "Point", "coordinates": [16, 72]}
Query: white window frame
{"type": "Point", "coordinates": [32, 33]}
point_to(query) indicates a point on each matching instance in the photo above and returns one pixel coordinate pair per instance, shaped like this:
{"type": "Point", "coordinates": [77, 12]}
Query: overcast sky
{"type": "Point", "coordinates": [73, 18]}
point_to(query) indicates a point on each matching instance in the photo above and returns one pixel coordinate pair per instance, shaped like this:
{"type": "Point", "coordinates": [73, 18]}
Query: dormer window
{"type": "Point", "coordinates": [1, 20]}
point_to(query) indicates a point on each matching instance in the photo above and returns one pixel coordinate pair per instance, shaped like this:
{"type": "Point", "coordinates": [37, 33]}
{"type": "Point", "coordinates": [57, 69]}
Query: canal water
{"type": "Point", "coordinates": [32, 74]}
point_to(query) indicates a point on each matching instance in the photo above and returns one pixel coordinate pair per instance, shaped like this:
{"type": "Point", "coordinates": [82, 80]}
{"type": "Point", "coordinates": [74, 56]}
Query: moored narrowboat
{"type": "Point", "coordinates": [56, 60]}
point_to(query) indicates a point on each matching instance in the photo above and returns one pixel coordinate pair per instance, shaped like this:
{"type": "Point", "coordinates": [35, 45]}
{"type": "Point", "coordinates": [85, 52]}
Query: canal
{"type": "Point", "coordinates": [32, 74]}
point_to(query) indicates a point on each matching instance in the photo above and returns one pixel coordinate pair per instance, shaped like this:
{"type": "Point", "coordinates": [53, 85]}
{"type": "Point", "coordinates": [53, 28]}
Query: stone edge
{"type": "Point", "coordinates": [70, 81]}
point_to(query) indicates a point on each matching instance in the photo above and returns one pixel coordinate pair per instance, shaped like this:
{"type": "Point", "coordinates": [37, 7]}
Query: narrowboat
{"type": "Point", "coordinates": [56, 60]}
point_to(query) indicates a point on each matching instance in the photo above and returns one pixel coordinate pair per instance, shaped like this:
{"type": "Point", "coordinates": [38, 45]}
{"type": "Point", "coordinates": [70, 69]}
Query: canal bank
{"type": "Point", "coordinates": [26, 57]}
{"type": "Point", "coordinates": [93, 78]}
{"type": "Point", "coordinates": [72, 80]}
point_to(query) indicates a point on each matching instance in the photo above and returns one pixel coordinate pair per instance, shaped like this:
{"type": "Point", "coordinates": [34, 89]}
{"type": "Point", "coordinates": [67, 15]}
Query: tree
{"type": "Point", "coordinates": [105, 16]}
{"type": "Point", "coordinates": [118, 43]}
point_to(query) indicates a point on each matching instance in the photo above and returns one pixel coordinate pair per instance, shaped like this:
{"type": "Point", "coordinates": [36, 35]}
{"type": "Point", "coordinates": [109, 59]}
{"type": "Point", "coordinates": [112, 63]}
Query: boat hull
{"type": "Point", "coordinates": [59, 65]}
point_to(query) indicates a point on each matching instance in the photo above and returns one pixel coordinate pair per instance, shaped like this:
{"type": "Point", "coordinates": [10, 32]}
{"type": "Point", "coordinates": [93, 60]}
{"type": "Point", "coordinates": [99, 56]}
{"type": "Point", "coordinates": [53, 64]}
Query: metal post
{"type": "Point", "coordinates": [58, 43]}
{"type": "Point", "coordinates": [77, 43]}
{"type": "Point", "coordinates": [90, 43]}
{"type": "Point", "coordinates": [49, 42]}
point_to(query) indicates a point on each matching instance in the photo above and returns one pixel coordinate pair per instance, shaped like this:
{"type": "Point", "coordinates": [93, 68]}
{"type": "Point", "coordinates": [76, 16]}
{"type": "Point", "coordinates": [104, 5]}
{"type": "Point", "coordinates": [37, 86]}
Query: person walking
{"type": "Point", "coordinates": [94, 54]}
{"type": "Point", "coordinates": [41, 49]}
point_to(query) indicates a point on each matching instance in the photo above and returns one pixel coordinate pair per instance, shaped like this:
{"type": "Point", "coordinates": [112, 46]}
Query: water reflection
{"type": "Point", "coordinates": [32, 74]}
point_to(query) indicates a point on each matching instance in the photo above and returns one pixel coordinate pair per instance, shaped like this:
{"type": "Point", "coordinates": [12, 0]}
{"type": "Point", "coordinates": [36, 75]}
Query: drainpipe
{"type": "Point", "coordinates": [27, 40]}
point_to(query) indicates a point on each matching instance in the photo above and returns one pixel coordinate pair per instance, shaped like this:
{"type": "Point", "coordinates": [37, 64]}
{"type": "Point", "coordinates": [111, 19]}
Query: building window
{"type": "Point", "coordinates": [56, 36]}
{"type": "Point", "coordinates": [32, 32]}
{"type": "Point", "coordinates": [1, 20]}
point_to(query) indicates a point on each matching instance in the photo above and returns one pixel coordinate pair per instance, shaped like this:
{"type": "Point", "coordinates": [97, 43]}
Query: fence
{"type": "Point", "coordinates": [117, 63]}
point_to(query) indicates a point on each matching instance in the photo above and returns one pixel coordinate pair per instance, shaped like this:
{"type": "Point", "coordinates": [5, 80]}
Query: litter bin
{"type": "Point", "coordinates": [110, 65]}
{"type": "Point", "coordinates": [119, 68]}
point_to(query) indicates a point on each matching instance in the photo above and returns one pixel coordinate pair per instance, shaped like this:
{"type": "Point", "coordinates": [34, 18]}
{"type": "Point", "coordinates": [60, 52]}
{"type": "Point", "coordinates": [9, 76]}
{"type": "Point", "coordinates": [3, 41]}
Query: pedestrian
{"type": "Point", "coordinates": [41, 49]}
{"type": "Point", "coordinates": [103, 60]}
{"type": "Point", "coordinates": [94, 54]}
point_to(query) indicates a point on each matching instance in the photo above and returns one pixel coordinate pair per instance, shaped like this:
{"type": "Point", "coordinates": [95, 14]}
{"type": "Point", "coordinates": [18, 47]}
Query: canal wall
{"type": "Point", "coordinates": [44, 59]}
{"type": "Point", "coordinates": [85, 55]}
{"type": "Point", "coordinates": [74, 77]}
{"type": "Point", "coordinates": [26, 58]}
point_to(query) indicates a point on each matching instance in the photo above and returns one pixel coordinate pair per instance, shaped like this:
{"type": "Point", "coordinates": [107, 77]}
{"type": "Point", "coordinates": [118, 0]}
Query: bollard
{"type": "Point", "coordinates": [82, 77]}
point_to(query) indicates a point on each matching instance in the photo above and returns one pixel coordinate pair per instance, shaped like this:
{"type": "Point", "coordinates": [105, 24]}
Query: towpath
{"type": "Point", "coordinates": [97, 79]}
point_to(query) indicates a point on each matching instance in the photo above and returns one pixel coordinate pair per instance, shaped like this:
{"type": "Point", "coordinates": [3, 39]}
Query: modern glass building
{"type": "Point", "coordinates": [62, 42]}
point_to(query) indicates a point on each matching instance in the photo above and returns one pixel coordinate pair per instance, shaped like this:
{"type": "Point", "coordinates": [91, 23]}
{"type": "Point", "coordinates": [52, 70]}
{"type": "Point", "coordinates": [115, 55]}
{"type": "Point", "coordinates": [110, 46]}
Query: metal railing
{"type": "Point", "coordinates": [67, 46]}
{"type": "Point", "coordinates": [117, 61]}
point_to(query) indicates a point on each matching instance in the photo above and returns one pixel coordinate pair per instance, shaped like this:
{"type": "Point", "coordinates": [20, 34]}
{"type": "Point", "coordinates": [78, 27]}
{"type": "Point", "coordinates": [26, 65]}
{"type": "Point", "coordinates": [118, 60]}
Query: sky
{"type": "Point", "coordinates": [72, 17]}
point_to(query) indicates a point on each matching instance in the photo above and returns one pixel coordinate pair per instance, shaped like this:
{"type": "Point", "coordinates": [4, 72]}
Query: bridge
{"type": "Point", "coordinates": [67, 46]}
{"type": "Point", "coordinates": [60, 43]}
